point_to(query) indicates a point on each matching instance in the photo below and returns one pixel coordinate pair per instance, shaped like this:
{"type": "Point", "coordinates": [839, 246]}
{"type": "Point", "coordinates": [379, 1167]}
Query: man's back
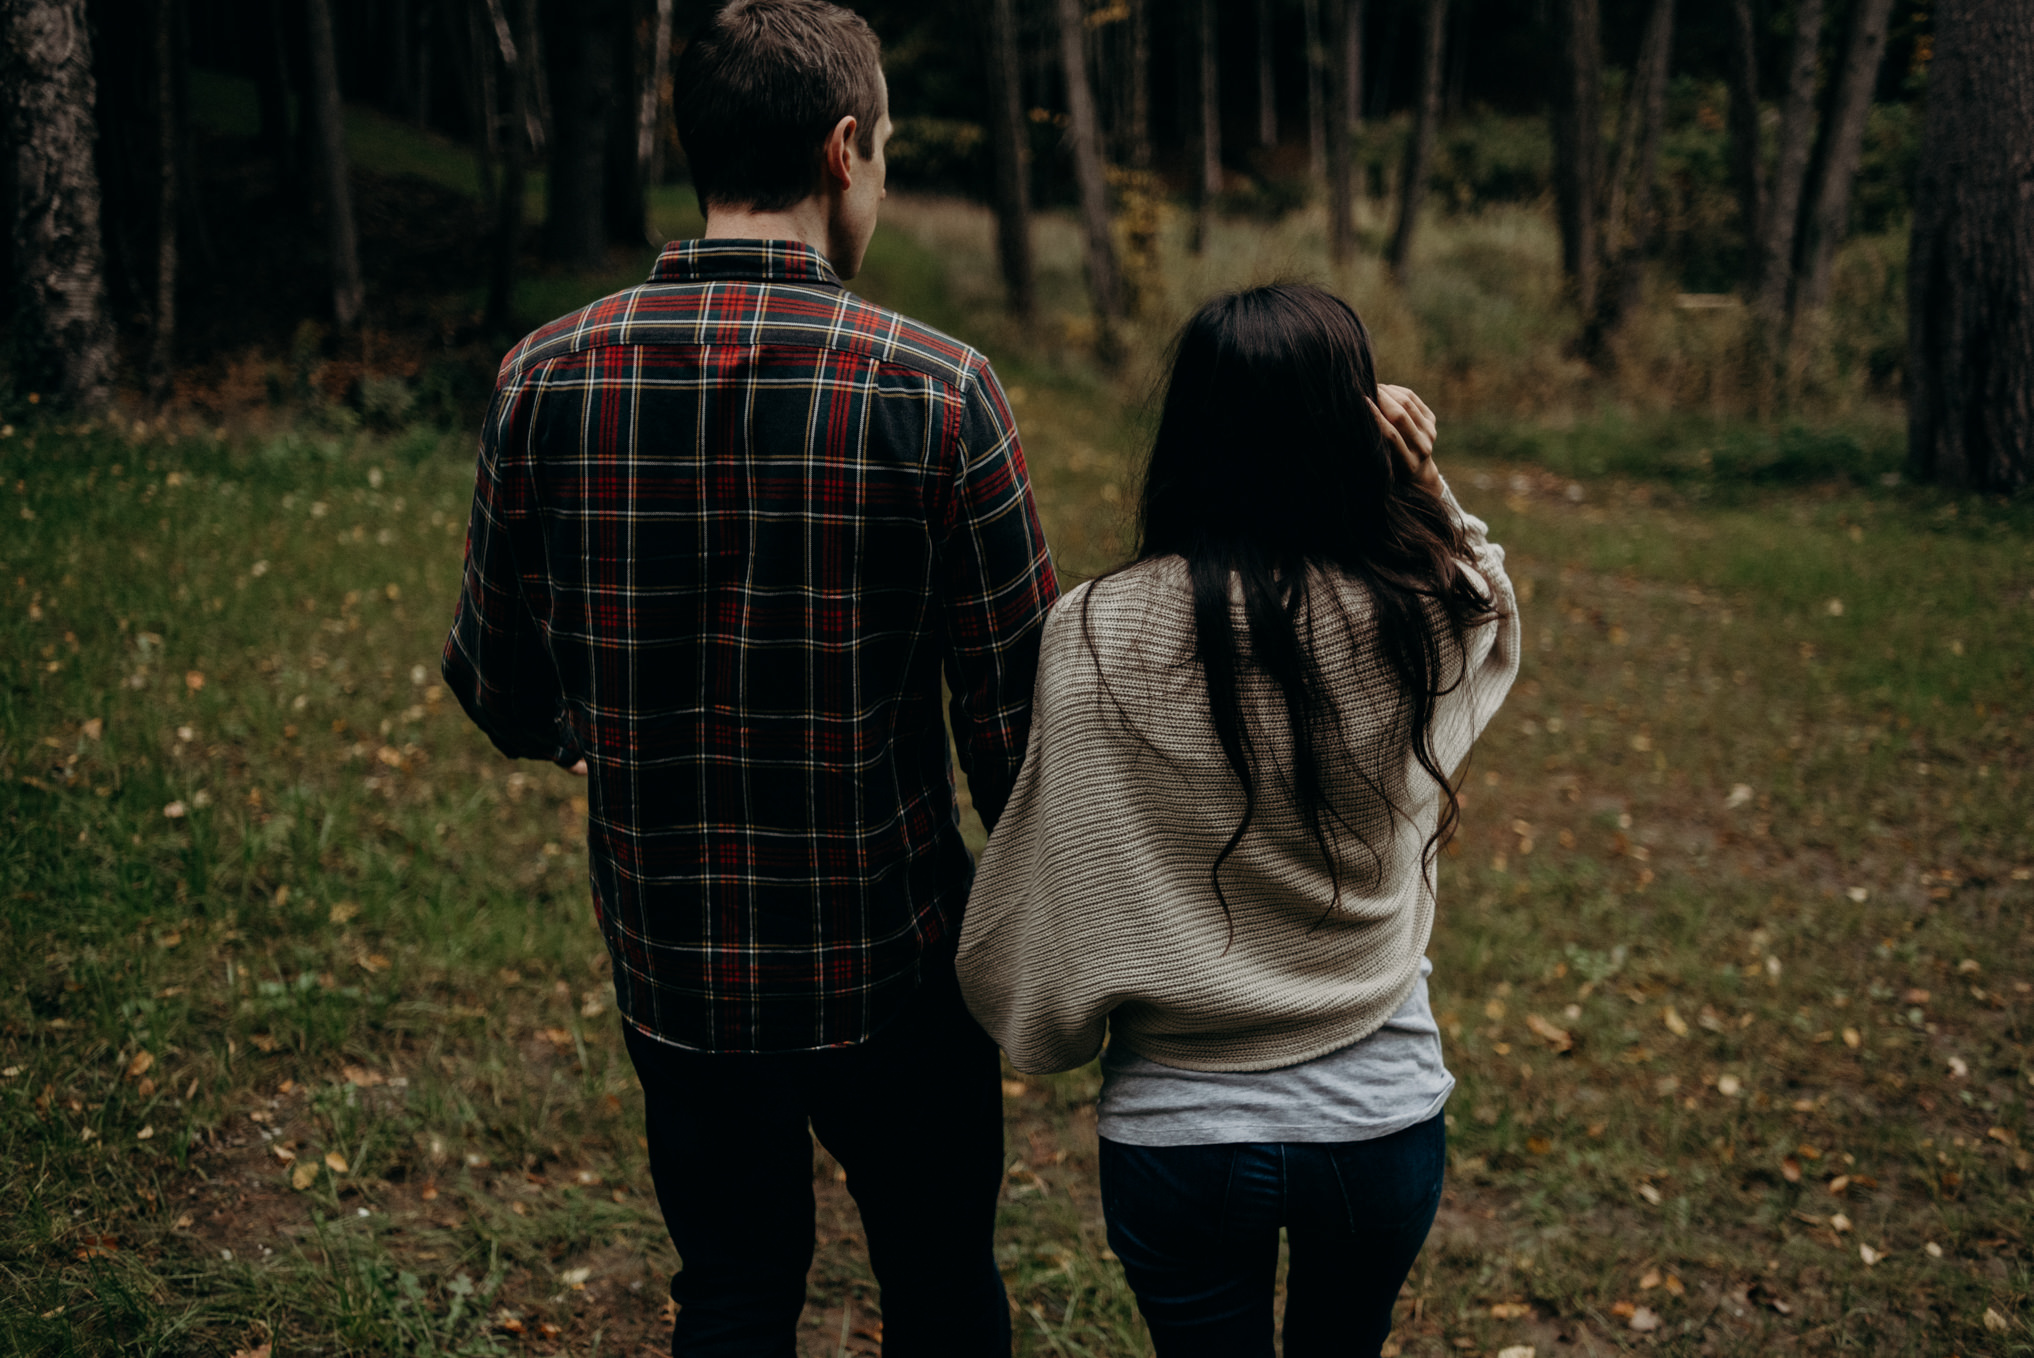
{"type": "Point", "coordinates": [729, 526]}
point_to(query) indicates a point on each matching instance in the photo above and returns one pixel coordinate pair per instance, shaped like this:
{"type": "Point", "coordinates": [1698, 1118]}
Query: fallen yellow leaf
{"type": "Point", "coordinates": [335, 1162]}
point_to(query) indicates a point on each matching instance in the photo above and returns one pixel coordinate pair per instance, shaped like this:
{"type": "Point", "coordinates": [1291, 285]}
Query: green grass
{"type": "Point", "coordinates": [361, 900]}
{"type": "Point", "coordinates": [1725, 835]}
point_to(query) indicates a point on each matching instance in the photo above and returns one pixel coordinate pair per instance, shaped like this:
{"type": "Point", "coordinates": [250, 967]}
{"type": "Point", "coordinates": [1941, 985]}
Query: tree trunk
{"type": "Point", "coordinates": [517, 147]}
{"type": "Point", "coordinates": [1089, 174]}
{"type": "Point", "coordinates": [1970, 330]}
{"type": "Point", "coordinates": [397, 92]}
{"type": "Point", "coordinates": [1639, 132]}
{"type": "Point", "coordinates": [63, 335]}
{"type": "Point", "coordinates": [335, 195]}
{"type": "Point", "coordinates": [1790, 168]}
{"type": "Point", "coordinates": [581, 62]}
{"type": "Point", "coordinates": [163, 341]}
{"type": "Point", "coordinates": [1341, 229]}
{"type": "Point", "coordinates": [1267, 82]}
{"type": "Point", "coordinates": [1317, 101]}
{"type": "Point", "coordinates": [1352, 67]}
{"type": "Point", "coordinates": [1842, 146]}
{"type": "Point", "coordinates": [1627, 222]}
{"type": "Point", "coordinates": [625, 207]}
{"type": "Point", "coordinates": [1208, 123]}
{"type": "Point", "coordinates": [487, 113]}
{"type": "Point", "coordinates": [1746, 161]}
{"type": "Point", "coordinates": [272, 88]}
{"type": "Point", "coordinates": [658, 76]}
{"type": "Point", "coordinates": [1419, 152]}
{"type": "Point", "coordinates": [420, 73]}
{"type": "Point", "coordinates": [472, 69]}
{"type": "Point", "coordinates": [1010, 152]}
{"type": "Point", "coordinates": [1578, 134]}
{"type": "Point", "coordinates": [1140, 83]}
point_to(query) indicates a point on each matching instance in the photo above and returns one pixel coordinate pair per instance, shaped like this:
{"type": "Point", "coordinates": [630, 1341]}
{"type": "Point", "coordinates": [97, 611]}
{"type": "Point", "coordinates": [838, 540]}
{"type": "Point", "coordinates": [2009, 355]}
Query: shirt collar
{"type": "Point", "coordinates": [760, 261]}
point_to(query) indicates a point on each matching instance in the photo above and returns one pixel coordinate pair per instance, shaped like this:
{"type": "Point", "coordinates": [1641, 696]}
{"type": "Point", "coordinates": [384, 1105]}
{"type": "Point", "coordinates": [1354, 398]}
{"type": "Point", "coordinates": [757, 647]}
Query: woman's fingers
{"type": "Point", "coordinates": [1411, 414]}
{"type": "Point", "coordinates": [1389, 426]}
{"type": "Point", "coordinates": [1418, 462]}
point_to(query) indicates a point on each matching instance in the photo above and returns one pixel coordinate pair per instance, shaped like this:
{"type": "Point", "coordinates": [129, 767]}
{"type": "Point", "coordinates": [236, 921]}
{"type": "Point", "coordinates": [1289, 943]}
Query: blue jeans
{"type": "Point", "coordinates": [1197, 1230]}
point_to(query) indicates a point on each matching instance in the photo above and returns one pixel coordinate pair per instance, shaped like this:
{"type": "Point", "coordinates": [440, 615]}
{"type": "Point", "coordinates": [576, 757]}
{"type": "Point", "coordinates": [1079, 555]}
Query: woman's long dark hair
{"type": "Point", "coordinates": [1268, 473]}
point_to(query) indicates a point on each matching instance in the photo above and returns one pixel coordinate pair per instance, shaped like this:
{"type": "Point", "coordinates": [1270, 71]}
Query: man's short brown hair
{"type": "Point", "coordinates": [761, 86]}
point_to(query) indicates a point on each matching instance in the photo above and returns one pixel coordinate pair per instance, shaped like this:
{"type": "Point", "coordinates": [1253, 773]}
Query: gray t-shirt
{"type": "Point", "coordinates": [1391, 1080]}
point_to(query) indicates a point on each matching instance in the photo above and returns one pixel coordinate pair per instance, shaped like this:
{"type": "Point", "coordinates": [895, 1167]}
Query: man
{"type": "Point", "coordinates": [729, 528]}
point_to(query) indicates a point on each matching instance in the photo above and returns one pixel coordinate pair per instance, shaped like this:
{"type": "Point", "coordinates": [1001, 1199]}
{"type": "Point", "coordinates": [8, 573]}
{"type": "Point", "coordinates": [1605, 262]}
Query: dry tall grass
{"type": "Point", "coordinates": [1482, 320]}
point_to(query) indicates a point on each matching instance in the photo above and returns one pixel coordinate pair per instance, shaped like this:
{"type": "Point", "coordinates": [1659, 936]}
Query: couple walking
{"type": "Point", "coordinates": [733, 527]}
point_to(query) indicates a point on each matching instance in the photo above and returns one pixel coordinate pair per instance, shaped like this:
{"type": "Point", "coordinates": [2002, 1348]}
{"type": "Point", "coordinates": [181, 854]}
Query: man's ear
{"type": "Point", "coordinates": [840, 143]}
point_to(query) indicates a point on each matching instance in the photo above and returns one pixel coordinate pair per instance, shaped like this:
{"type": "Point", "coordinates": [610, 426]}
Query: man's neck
{"type": "Point", "coordinates": [805, 222]}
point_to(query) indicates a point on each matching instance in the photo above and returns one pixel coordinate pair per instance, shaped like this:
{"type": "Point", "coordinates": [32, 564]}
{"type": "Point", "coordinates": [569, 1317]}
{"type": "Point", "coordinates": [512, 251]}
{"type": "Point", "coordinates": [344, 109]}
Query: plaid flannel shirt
{"type": "Point", "coordinates": [728, 528]}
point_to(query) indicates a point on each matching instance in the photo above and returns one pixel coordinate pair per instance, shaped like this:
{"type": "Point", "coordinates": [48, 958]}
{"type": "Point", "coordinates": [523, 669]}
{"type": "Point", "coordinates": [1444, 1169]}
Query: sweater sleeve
{"type": "Point", "coordinates": [1491, 652]}
{"type": "Point", "coordinates": [1028, 972]}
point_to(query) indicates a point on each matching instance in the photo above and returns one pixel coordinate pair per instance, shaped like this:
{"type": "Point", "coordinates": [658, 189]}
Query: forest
{"type": "Point", "coordinates": [308, 1040]}
{"type": "Point", "coordinates": [1694, 158]}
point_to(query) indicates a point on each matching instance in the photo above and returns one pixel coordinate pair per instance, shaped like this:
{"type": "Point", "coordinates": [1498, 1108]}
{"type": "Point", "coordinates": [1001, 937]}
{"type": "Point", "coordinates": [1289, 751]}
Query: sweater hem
{"type": "Point", "coordinates": [1283, 1055]}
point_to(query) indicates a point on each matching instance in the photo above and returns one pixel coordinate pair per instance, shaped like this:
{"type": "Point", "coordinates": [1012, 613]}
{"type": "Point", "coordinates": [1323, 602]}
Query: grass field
{"type": "Point", "coordinates": [307, 1041]}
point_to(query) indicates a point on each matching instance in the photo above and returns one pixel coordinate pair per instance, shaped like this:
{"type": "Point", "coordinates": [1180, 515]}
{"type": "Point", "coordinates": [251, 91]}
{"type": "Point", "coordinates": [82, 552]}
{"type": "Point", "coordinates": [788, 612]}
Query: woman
{"type": "Point", "coordinates": [1221, 846]}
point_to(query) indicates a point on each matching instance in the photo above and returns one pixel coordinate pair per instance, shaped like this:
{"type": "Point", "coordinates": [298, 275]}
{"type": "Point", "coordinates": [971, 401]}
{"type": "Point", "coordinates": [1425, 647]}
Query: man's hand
{"type": "Point", "coordinates": [578, 770]}
{"type": "Point", "coordinates": [1409, 425]}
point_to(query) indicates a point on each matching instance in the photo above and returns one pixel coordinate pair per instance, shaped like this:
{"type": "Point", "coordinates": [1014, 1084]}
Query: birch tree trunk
{"type": "Point", "coordinates": [341, 242]}
{"type": "Point", "coordinates": [1419, 153]}
{"type": "Point", "coordinates": [1011, 153]}
{"type": "Point", "coordinates": [63, 335]}
{"type": "Point", "coordinates": [1843, 145]}
{"type": "Point", "coordinates": [1790, 168]}
{"type": "Point", "coordinates": [1970, 333]}
{"type": "Point", "coordinates": [1578, 142]}
{"type": "Point", "coordinates": [1089, 174]}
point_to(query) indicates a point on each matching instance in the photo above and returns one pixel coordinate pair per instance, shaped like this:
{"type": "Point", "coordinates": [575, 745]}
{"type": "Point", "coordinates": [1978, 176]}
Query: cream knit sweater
{"type": "Point", "coordinates": [1092, 907]}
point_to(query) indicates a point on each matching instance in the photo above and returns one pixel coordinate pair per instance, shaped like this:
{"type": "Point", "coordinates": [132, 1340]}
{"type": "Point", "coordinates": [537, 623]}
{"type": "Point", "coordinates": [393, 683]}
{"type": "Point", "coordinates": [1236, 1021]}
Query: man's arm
{"type": "Point", "coordinates": [996, 584]}
{"type": "Point", "coordinates": [497, 662]}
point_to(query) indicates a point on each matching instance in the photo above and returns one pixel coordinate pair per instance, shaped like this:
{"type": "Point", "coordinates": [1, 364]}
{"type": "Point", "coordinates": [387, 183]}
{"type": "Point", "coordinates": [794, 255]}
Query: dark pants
{"type": "Point", "coordinates": [915, 1117]}
{"type": "Point", "coordinates": [1197, 1230]}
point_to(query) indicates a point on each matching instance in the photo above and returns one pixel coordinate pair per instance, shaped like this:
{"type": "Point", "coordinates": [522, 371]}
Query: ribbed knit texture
{"type": "Point", "coordinates": [1092, 908]}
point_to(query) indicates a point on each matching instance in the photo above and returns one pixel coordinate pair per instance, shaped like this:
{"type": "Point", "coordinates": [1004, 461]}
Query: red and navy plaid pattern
{"type": "Point", "coordinates": [729, 528]}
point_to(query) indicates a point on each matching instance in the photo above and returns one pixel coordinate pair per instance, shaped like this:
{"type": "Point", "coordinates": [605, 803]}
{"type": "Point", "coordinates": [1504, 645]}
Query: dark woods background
{"type": "Point", "coordinates": [1727, 146]}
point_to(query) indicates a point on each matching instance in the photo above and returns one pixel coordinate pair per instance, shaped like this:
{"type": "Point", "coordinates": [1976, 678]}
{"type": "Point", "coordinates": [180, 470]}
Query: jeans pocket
{"type": "Point", "coordinates": [1165, 1201]}
{"type": "Point", "coordinates": [1394, 1180]}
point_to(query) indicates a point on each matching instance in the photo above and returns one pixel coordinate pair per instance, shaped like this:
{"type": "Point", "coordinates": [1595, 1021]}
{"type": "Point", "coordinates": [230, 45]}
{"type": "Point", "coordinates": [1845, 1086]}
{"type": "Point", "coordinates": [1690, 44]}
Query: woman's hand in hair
{"type": "Point", "coordinates": [1408, 424]}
